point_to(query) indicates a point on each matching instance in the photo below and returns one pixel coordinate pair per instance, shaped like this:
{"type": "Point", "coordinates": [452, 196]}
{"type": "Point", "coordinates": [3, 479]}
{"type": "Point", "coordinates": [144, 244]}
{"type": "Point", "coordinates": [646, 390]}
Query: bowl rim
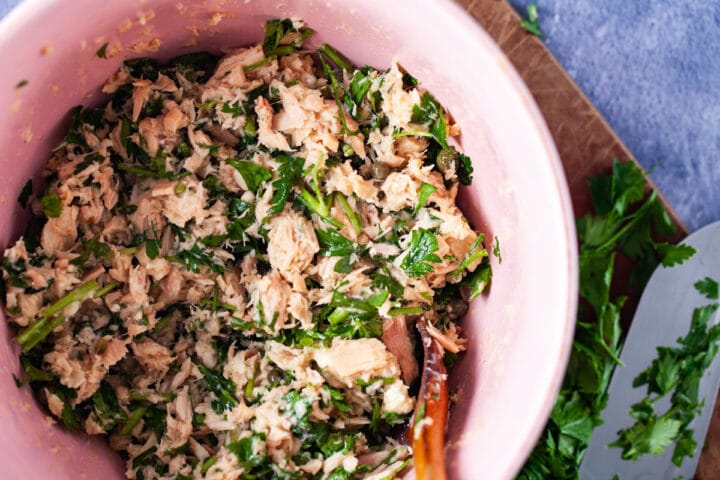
{"type": "Point", "coordinates": [562, 358]}
{"type": "Point", "coordinates": [23, 12]}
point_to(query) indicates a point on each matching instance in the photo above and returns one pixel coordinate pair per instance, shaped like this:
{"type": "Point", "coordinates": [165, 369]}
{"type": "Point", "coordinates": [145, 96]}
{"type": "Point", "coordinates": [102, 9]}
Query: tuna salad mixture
{"type": "Point", "coordinates": [225, 264]}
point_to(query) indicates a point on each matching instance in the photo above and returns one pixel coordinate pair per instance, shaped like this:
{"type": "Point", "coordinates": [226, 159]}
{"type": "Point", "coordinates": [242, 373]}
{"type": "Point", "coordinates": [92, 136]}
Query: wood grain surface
{"type": "Point", "coordinates": [586, 143]}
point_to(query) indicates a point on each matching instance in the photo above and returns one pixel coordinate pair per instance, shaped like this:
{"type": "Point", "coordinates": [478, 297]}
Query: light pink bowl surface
{"type": "Point", "coordinates": [519, 334]}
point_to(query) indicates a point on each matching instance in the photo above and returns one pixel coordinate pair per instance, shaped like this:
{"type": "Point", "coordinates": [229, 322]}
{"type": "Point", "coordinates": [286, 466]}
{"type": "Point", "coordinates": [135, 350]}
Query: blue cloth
{"type": "Point", "coordinates": [652, 67]}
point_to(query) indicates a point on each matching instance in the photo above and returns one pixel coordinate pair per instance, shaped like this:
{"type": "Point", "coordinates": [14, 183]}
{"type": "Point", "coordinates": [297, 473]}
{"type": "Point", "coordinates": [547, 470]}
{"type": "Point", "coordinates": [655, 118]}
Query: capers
{"type": "Point", "coordinates": [380, 171]}
{"type": "Point", "coordinates": [447, 159]}
{"type": "Point", "coordinates": [456, 308]}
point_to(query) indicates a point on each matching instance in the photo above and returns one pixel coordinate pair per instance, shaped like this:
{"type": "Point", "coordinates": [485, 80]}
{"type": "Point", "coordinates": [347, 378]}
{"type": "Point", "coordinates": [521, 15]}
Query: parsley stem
{"type": "Point", "coordinates": [256, 65]}
{"type": "Point", "coordinates": [37, 332]}
{"type": "Point", "coordinates": [317, 207]}
{"type": "Point", "coordinates": [405, 311]}
{"type": "Point", "coordinates": [207, 463]}
{"type": "Point", "coordinates": [335, 87]}
{"type": "Point", "coordinates": [351, 214]}
{"type": "Point", "coordinates": [42, 327]}
{"type": "Point", "coordinates": [106, 289]}
{"type": "Point", "coordinates": [133, 419]}
{"type": "Point", "coordinates": [77, 295]}
{"type": "Point", "coordinates": [335, 56]}
{"type": "Point", "coordinates": [338, 315]}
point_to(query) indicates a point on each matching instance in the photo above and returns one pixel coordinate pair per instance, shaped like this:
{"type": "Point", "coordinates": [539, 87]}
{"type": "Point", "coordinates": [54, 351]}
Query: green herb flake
{"type": "Point", "coordinates": [101, 52]}
{"type": "Point", "coordinates": [52, 207]}
{"type": "Point", "coordinates": [423, 195]}
{"type": "Point", "coordinates": [431, 113]}
{"type": "Point", "coordinates": [496, 249]}
{"type": "Point", "coordinates": [420, 256]}
{"type": "Point", "coordinates": [708, 287]}
{"type": "Point", "coordinates": [530, 24]}
{"type": "Point", "coordinates": [223, 388]}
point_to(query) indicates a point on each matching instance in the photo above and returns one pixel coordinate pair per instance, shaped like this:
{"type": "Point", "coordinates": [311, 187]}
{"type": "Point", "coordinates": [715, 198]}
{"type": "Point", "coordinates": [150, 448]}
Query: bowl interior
{"type": "Point", "coordinates": [519, 334]}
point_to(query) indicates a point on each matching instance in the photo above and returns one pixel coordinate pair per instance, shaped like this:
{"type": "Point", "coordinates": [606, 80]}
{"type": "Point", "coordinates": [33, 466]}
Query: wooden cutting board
{"type": "Point", "coordinates": [586, 143]}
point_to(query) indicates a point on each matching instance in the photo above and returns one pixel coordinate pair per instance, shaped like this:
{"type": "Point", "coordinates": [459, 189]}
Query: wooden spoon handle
{"type": "Point", "coordinates": [427, 430]}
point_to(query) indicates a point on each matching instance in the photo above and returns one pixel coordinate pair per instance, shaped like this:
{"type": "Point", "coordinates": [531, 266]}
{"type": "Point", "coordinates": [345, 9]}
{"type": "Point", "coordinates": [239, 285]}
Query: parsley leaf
{"type": "Point", "coordinates": [93, 247]}
{"type": "Point", "coordinates": [627, 220]}
{"type": "Point", "coordinates": [381, 278]}
{"type": "Point", "coordinates": [275, 32]}
{"type": "Point", "coordinates": [101, 52]}
{"type": "Point", "coordinates": [223, 388]}
{"type": "Point", "coordinates": [475, 252]}
{"type": "Point", "coordinates": [430, 112]}
{"type": "Point", "coordinates": [676, 372]}
{"type": "Point", "coordinates": [674, 254]}
{"type": "Point", "coordinates": [334, 244]}
{"type": "Point", "coordinates": [423, 195]}
{"type": "Point", "coordinates": [253, 174]}
{"type": "Point", "coordinates": [290, 170]}
{"type": "Point", "coordinates": [152, 248]}
{"type": "Point", "coordinates": [531, 24]}
{"type": "Point", "coordinates": [420, 255]}
{"type": "Point", "coordinates": [464, 169]}
{"type": "Point", "coordinates": [247, 451]}
{"type": "Point", "coordinates": [194, 257]}
{"type": "Point", "coordinates": [354, 317]}
{"type": "Point", "coordinates": [708, 287]}
{"type": "Point", "coordinates": [357, 91]}
{"type": "Point", "coordinates": [479, 279]}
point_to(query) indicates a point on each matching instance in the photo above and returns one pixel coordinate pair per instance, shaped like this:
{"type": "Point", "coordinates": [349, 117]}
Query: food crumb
{"type": "Point", "coordinates": [15, 107]}
{"type": "Point", "coordinates": [217, 17]}
{"type": "Point", "coordinates": [21, 84]}
{"type": "Point", "coordinates": [83, 45]}
{"type": "Point", "coordinates": [194, 34]}
{"type": "Point", "coordinates": [55, 448]}
{"type": "Point", "coordinates": [28, 134]}
{"type": "Point", "coordinates": [55, 89]}
{"type": "Point", "coordinates": [145, 17]}
{"type": "Point", "coordinates": [114, 49]}
{"type": "Point", "coordinates": [46, 49]}
{"type": "Point", "coordinates": [49, 420]}
{"type": "Point", "coordinates": [146, 46]}
{"type": "Point", "coordinates": [125, 25]}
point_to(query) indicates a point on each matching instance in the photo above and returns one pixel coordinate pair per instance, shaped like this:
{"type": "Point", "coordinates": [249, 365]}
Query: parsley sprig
{"type": "Point", "coordinates": [626, 220]}
{"type": "Point", "coordinates": [675, 373]}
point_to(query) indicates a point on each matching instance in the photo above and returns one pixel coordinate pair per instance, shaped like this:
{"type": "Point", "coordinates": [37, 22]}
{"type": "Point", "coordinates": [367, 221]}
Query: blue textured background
{"type": "Point", "coordinates": [652, 67]}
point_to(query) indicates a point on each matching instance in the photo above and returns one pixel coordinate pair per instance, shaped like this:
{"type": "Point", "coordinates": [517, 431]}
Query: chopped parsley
{"type": "Point", "coordinates": [102, 51]}
{"type": "Point", "coordinates": [530, 24]}
{"type": "Point", "coordinates": [52, 207]}
{"type": "Point", "coordinates": [420, 255]}
{"type": "Point", "coordinates": [423, 195]}
{"type": "Point", "coordinates": [624, 220]}
{"type": "Point", "coordinates": [674, 374]}
{"type": "Point", "coordinates": [708, 287]}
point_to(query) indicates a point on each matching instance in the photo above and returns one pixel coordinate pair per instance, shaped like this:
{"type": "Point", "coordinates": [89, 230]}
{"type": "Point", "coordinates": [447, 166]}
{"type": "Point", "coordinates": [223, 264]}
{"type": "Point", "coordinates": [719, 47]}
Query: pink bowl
{"type": "Point", "coordinates": [520, 333]}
